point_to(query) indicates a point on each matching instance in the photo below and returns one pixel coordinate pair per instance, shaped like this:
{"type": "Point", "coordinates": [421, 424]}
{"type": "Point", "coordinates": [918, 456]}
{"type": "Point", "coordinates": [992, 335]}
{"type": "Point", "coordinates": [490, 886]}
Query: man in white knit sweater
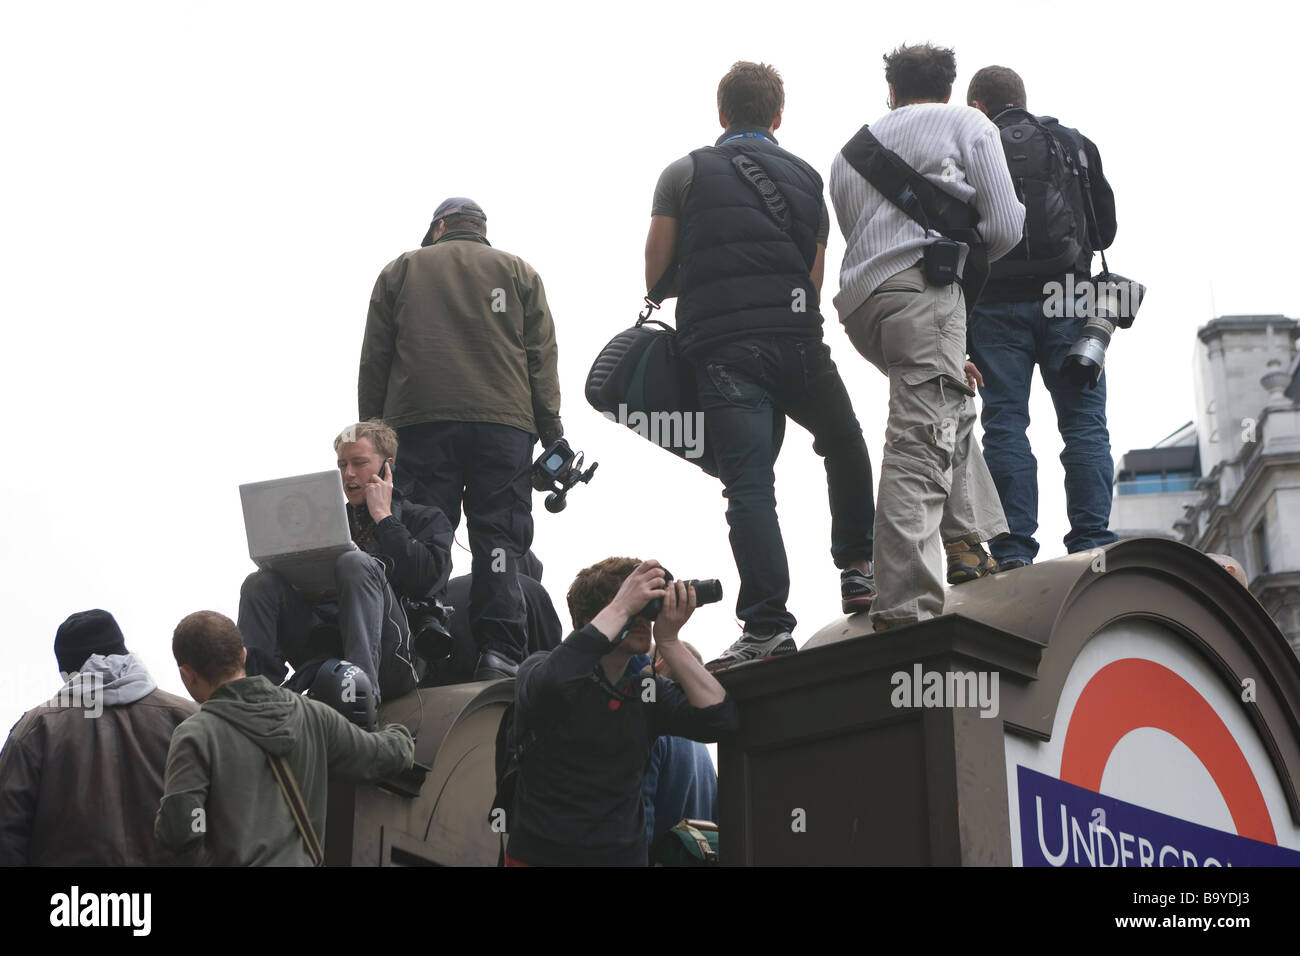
{"type": "Point", "coordinates": [934, 484]}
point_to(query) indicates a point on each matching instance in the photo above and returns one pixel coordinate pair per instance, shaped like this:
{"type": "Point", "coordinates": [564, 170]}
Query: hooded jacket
{"type": "Point", "coordinates": [221, 795]}
{"type": "Point", "coordinates": [81, 776]}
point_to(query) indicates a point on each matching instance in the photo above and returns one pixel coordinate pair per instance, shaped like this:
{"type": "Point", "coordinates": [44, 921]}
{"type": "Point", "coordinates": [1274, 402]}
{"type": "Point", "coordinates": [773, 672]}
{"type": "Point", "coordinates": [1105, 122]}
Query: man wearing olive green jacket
{"type": "Point", "coordinates": [459, 357]}
{"type": "Point", "coordinates": [221, 795]}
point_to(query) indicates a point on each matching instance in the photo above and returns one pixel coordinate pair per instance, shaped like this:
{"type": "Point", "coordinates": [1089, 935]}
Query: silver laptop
{"type": "Point", "coordinates": [298, 527]}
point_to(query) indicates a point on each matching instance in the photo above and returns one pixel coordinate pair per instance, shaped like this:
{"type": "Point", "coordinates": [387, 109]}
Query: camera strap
{"type": "Point", "coordinates": [658, 292]}
{"type": "Point", "coordinates": [923, 202]}
{"type": "Point", "coordinates": [1092, 213]}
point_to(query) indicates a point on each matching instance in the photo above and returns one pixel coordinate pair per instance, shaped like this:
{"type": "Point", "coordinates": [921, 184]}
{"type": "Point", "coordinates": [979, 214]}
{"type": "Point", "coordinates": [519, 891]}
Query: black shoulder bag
{"type": "Point", "coordinates": [927, 204]}
{"type": "Point", "coordinates": [641, 381]}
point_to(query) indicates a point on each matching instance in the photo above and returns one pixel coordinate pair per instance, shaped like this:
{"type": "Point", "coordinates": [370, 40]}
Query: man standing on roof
{"type": "Point", "coordinates": [459, 356]}
{"type": "Point", "coordinates": [747, 222]}
{"type": "Point", "coordinates": [934, 484]}
{"type": "Point", "coordinates": [1013, 328]}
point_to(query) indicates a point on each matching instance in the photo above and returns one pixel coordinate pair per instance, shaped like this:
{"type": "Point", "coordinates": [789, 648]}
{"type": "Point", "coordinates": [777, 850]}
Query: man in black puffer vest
{"type": "Point", "coordinates": [746, 222]}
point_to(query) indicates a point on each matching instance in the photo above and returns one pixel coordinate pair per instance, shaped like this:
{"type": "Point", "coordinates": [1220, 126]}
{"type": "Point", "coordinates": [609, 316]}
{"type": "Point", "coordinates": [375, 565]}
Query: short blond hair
{"type": "Point", "coordinates": [383, 438]}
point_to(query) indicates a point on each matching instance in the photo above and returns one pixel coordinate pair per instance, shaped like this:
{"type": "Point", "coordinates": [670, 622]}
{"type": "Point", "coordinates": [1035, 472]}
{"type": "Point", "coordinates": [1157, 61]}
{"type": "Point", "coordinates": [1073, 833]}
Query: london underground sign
{"type": "Point", "coordinates": [1153, 761]}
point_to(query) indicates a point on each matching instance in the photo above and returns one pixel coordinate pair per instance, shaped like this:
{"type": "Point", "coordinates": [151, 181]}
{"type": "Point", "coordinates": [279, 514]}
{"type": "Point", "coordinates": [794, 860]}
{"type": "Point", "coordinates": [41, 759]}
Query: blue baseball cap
{"type": "Point", "coordinates": [456, 205]}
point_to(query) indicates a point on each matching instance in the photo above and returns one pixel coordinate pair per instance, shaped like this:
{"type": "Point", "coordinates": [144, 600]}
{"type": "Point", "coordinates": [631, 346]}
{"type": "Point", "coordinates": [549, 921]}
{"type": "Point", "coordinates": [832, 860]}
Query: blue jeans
{"type": "Point", "coordinates": [1007, 340]}
{"type": "Point", "coordinates": [745, 388]}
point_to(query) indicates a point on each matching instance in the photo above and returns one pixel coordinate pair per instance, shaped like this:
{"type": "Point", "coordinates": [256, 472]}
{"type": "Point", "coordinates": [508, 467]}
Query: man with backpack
{"type": "Point", "coordinates": [1069, 214]}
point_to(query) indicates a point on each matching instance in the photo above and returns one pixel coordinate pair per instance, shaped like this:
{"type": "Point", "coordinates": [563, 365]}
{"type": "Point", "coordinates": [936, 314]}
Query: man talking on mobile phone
{"type": "Point", "coordinates": [403, 550]}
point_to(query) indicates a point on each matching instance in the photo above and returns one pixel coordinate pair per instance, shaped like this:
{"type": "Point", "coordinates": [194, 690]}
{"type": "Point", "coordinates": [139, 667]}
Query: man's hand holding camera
{"type": "Point", "coordinates": [639, 588]}
{"type": "Point", "coordinates": [680, 602]}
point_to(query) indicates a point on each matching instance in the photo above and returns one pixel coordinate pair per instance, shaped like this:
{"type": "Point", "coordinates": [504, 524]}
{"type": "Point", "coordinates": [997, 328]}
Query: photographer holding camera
{"type": "Point", "coordinates": [584, 719]}
{"type": "Point", "coordinates": [459, 357]}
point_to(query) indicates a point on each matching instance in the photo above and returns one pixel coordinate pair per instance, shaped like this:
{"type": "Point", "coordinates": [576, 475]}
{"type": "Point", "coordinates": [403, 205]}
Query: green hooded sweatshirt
{"type": "Point", "coordinates": [220, 794]}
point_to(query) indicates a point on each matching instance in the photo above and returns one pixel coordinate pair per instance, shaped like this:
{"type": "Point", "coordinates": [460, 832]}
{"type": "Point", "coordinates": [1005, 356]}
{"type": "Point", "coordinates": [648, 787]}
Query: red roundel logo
{"type": "Point", "coordinates": [1132, 693]}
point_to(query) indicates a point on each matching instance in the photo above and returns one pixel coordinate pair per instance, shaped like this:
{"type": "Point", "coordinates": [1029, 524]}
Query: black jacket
{"type": "Point", "coordinates": [414, 543]}
{"type": "Point", "coordinates": [585, 747]}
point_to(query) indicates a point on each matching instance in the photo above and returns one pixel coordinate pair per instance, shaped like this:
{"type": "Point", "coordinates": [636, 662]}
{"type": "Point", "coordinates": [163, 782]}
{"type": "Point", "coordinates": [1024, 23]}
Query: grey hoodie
{"type": "Point", "coordinates": [115, 680]}
{"type": "Point", "coordinates": [220, 793]}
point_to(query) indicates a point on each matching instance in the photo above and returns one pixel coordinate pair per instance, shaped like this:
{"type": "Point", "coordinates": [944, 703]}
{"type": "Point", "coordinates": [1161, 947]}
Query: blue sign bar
{"type": "Point", "coordinates": [1065, 825]}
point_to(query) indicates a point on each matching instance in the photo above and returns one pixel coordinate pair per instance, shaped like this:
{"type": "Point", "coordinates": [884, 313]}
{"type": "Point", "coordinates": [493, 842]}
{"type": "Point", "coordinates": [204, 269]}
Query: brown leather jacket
{"type": "Point", "coordinates": [78, 789]}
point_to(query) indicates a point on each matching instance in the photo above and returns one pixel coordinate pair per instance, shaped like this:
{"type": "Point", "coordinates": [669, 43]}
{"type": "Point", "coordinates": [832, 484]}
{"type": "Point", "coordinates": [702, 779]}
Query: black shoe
{"type": "Point", "coordinates": [493, 666]}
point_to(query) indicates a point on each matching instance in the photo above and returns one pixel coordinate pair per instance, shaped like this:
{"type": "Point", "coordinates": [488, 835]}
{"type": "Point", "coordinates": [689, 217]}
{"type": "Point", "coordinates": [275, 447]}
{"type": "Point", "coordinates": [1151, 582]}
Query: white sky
{"type": "Point", "coordinates": [198, 197]}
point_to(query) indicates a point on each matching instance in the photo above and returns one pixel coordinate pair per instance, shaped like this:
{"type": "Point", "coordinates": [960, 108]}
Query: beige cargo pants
{"type": "Point", "coordinates": [934, 485]}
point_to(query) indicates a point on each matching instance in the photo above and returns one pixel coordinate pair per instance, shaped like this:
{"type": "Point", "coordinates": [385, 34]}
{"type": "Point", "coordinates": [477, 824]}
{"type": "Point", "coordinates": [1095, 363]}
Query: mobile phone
{"type": "Point", "coordinates": [388, 463]}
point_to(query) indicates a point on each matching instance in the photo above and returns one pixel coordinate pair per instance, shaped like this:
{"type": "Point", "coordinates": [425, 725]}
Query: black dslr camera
{"type": "Point", "coordinates": [707, 590]}
{"type": "Point", "coordinates": [557, 470]}
{"type": "Point", "coordinates": [430, 639]}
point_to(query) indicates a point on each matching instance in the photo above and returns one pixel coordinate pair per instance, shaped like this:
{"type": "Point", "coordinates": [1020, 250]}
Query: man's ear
{"type": "Point", "coordinates": [776, 122]}
{"type": "Point", "coordinates": [948, 96]}
{"type": "Point", "coordinates": [723, 120]}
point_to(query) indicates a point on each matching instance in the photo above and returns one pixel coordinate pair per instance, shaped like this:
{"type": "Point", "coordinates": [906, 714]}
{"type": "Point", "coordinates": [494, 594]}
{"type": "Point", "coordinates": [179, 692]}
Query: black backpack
{"type": "Point", "coordinates": [1045, 172]}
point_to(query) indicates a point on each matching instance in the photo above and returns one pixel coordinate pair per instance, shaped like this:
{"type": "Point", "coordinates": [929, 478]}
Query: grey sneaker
{"type": "Point", "coordinates": [750, 648]}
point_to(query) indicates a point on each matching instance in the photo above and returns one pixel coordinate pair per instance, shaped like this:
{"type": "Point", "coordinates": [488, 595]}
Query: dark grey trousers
{"type": "Point", "coordinates": [282, 624]}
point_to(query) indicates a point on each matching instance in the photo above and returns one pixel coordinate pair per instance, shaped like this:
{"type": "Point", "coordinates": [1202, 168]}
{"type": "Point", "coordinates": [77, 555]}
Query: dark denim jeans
{"type": "Point", "coordinates": [744, 387]}
{"type": "Point", "coordinates": [486, 466]}
{"type": "Point", "coordinates": [1007, 340]}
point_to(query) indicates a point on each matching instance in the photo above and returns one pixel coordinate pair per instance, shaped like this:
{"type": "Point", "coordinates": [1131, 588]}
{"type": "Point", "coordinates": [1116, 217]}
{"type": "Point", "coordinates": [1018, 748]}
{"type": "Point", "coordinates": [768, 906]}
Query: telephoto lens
{"type": "Point", "coordinates": [1087, 356]}
{"type": "Point", "coordinates": [1110, 300]}
{"type": "Point", "coordinates": [707, 590]}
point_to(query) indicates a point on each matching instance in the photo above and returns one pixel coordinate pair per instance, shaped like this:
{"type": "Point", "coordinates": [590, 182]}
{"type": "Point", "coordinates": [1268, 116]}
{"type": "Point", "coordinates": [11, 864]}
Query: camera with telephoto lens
{"type": "Point", "coordinates": [1114, 302]}
{"type": "Point", "coordinates": [707, 590]}
{"type": "Point", "coordinates": [557, 470]}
